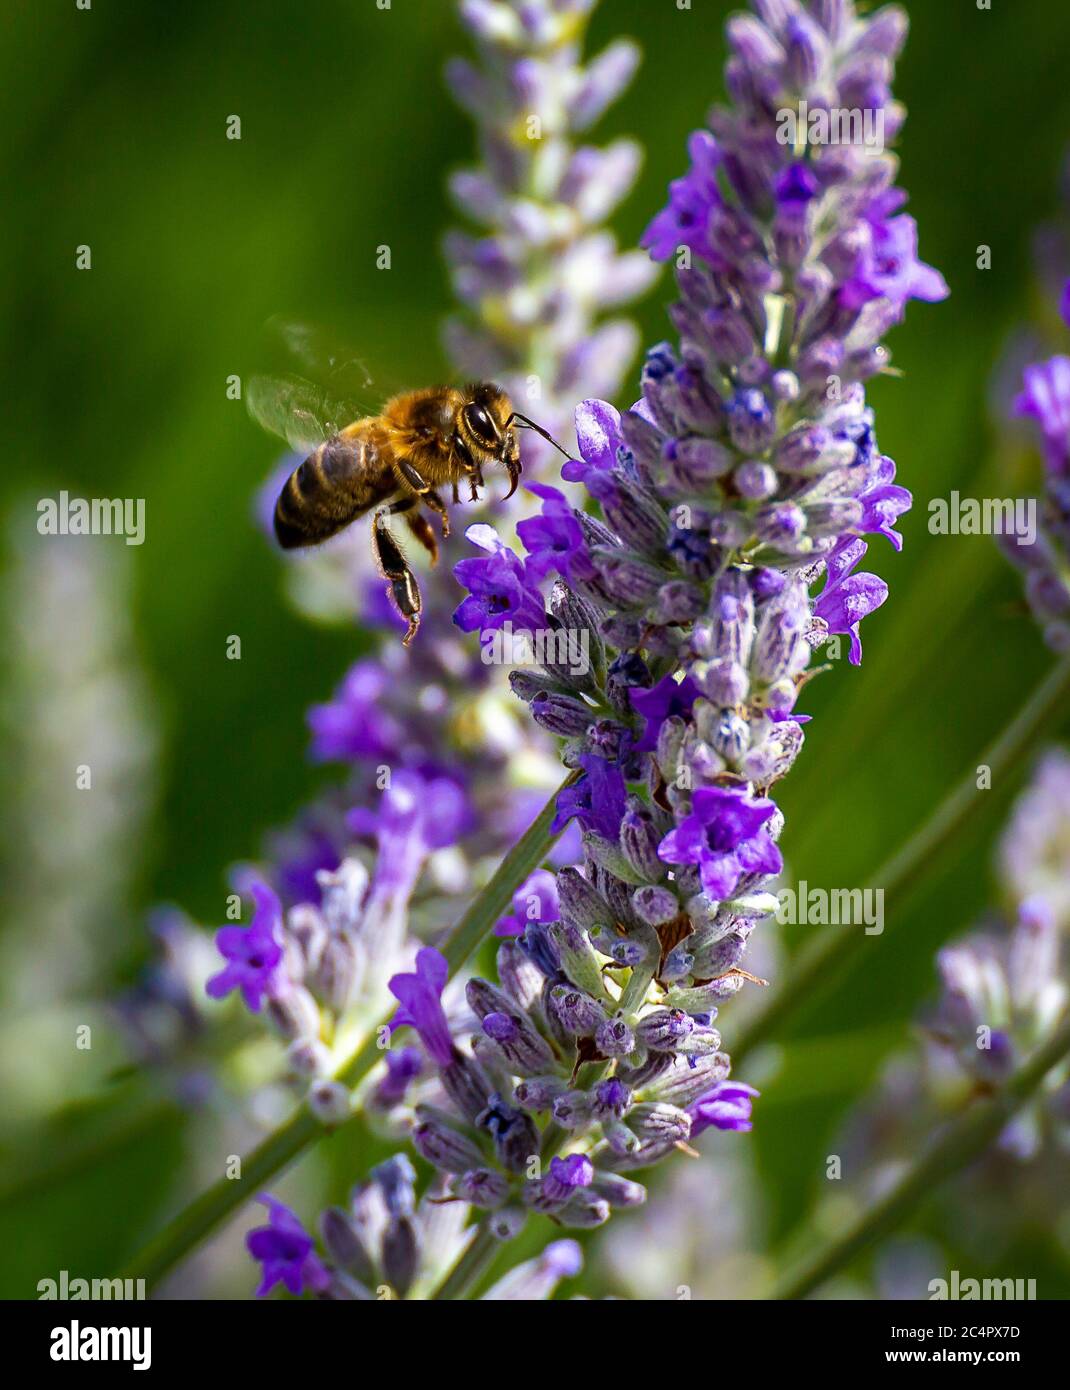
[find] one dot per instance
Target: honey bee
(395, 461)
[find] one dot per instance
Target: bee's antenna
(531, 425)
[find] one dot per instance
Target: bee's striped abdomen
(340, 479)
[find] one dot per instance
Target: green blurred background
(114, 136)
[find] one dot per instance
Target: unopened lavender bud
(731, 618)
(728, 335)
(580, 902)
(516, 1139)
(723, 681)
(526, 685)
(750, 421)
(536, 944)
(396, 1181)
(506, 1224)
(482, 1188)
(623, 1141)
(466, 1085)
(520, 978)
(330, 1102)
(484, 998)
(702, 1042)
(678, 602)
(808, 51)
(563, 715)
(580, 621)
(578, 1014)
(785, 386)
(538, 1093)
(609, 857)
(639, 842)
(669, 751)
(679, 964)
(306, 927)
(578, 959)
(833, 518)
(716, 958)
(336, 974)
(682, 1085)
(295, 1013)
(622, 950)
(308, 1057)
(572, 1109)
(730, 737)
(730, 529)
(344, 1244)
(630, 581)
(584, 1212)
(612, 1097)
(527, 1051)
(443, 1146)
(664, 1030)
(614, 1038)
(618, 1191)
(781, 525)
(689, 464)
(659, 1122)
(655, 905)
(755, 480)
(400, 1254)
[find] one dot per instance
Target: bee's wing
(322, 356)
(297, 410)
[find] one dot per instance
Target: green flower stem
(470, 1268)
(208, 1211)
(817, 964)
(962, 1141)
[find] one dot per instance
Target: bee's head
(486, 425)
(489, 425)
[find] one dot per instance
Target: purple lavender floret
(253, 953)
(726, 1106)
(287, 1253)
(726, 838)
(420, 997)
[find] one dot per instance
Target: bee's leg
(427, 494)
(475, 482)
(456, 493)
(395, 569)
(421, 528)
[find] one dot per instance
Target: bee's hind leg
(395, 570)
(421, 528)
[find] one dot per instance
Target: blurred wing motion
(323, 358)
(297, 410)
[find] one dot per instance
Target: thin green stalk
(470, 1268)
(965, 1139)
(818, 963)
(208, 1211)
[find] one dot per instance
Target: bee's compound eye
(481, 425)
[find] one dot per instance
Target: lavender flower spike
(733, 502)
(541, 271)
(1045, 558)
